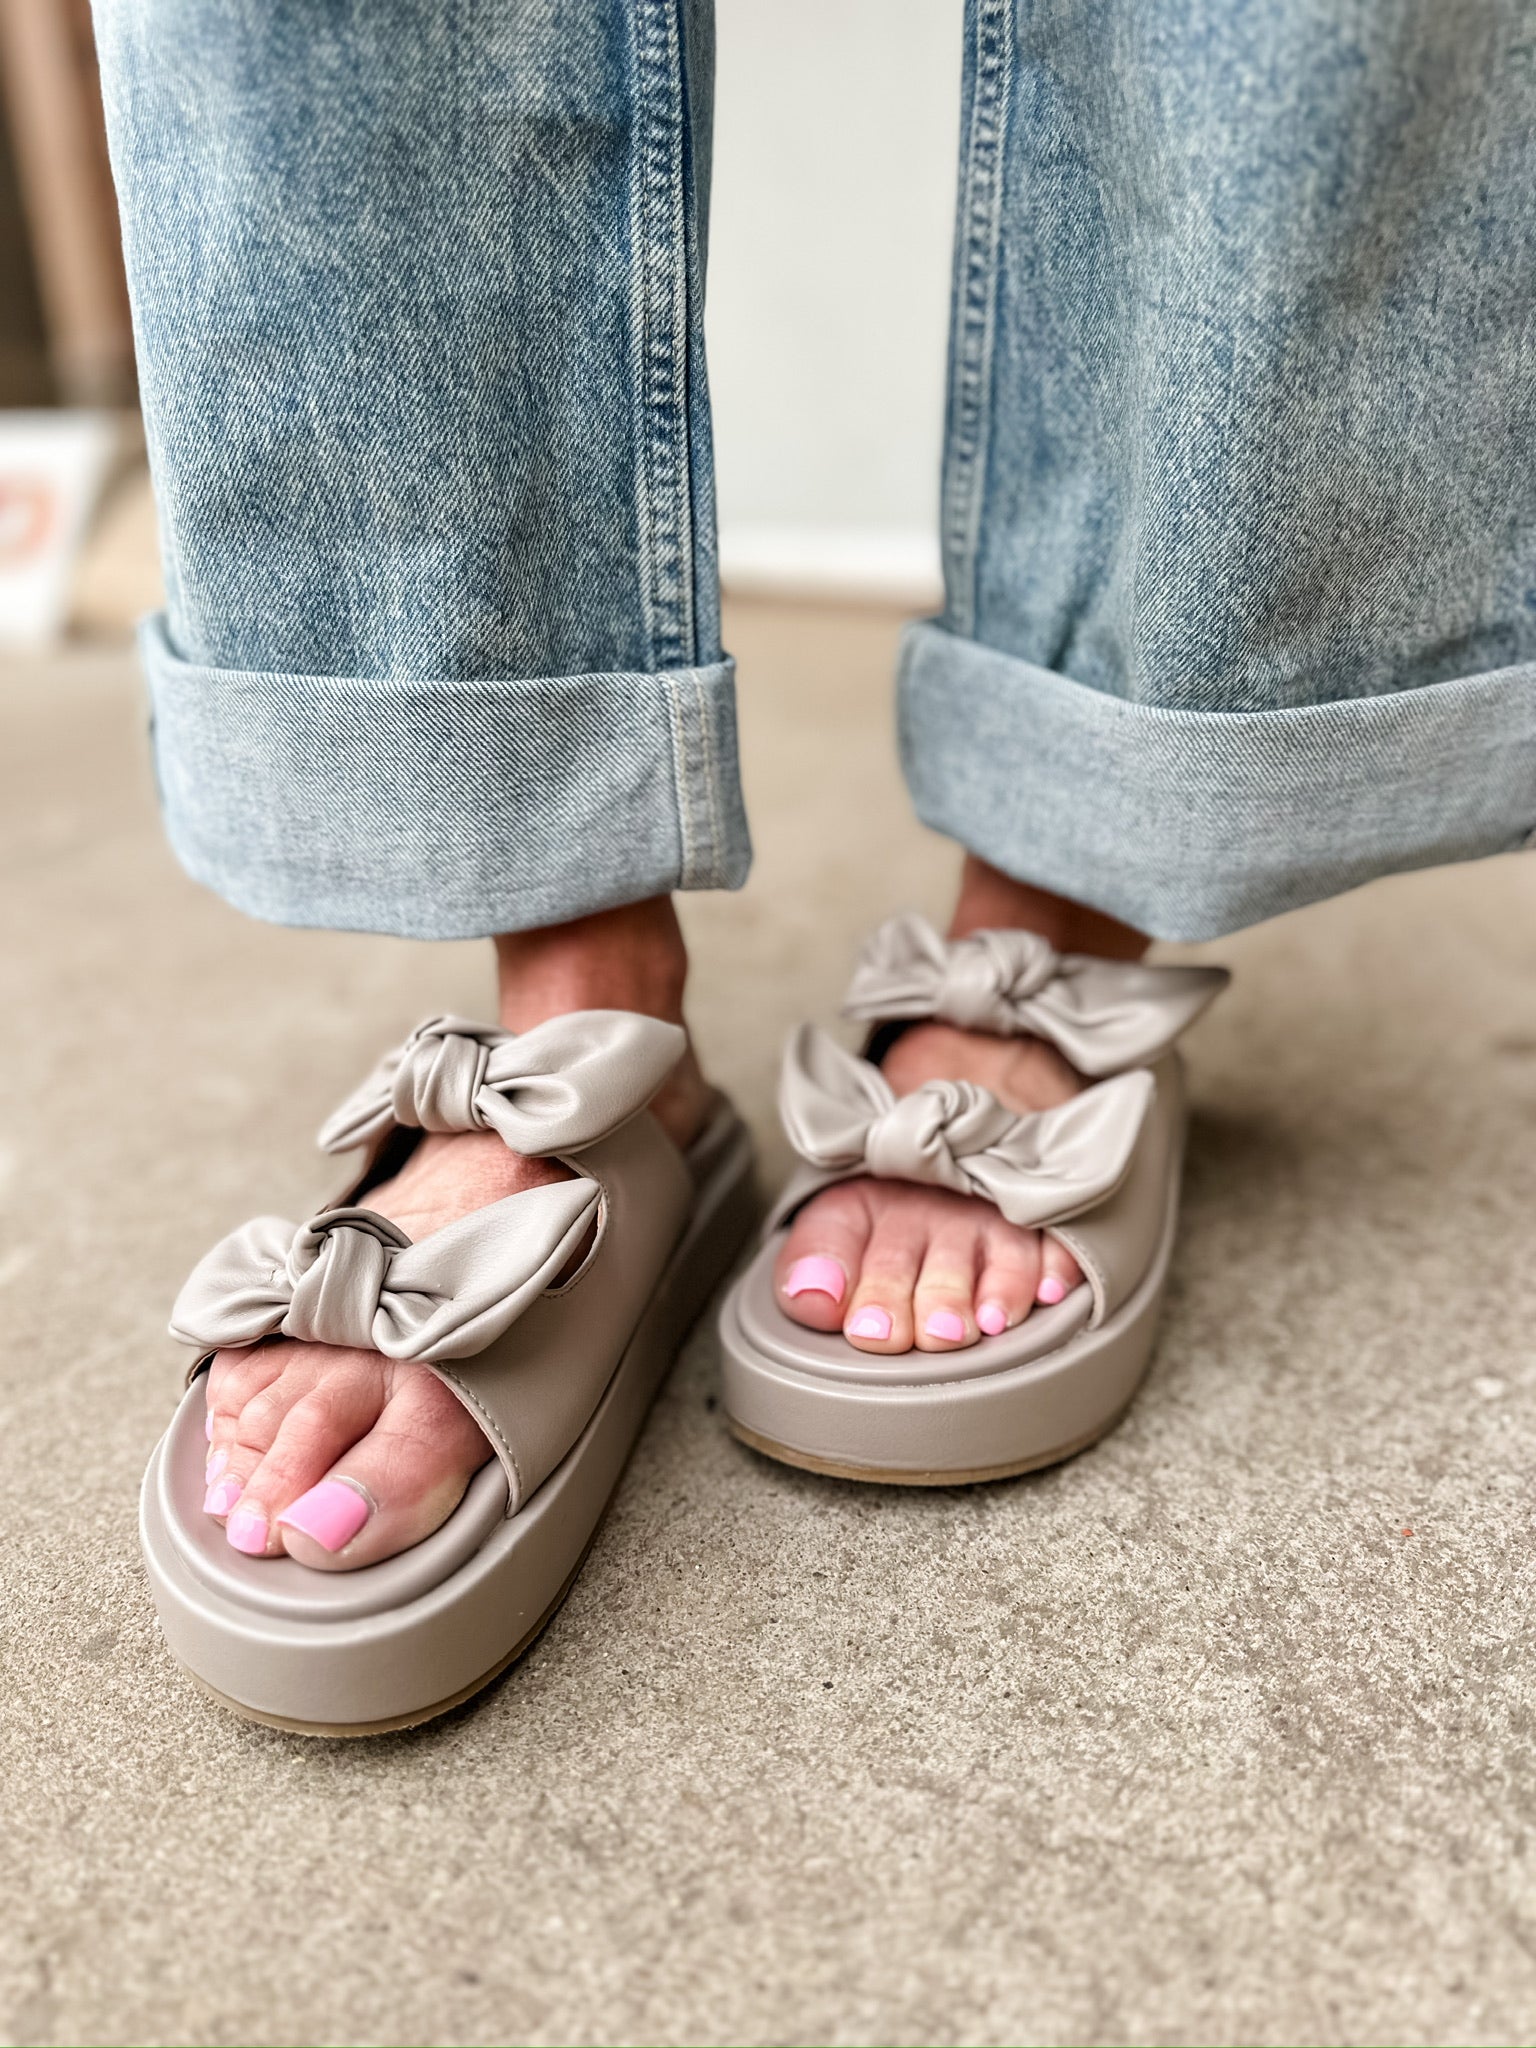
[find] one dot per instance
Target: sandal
(1100, 1173)
(558, 1367)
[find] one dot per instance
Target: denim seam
(699, 802)
(689, 860)
(711, 780)
(977, 239)
(661, 320)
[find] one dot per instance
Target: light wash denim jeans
(1239, 498)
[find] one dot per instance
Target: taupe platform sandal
(1100, 1173)
(558, 1372)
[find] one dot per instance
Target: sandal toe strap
(349, 1276)
(843, 1118)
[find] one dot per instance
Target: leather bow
(352, 1277)
(844, 1117)
(556, 1088)
(1104, 1015)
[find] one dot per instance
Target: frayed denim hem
(446, 810)
(1190, 824)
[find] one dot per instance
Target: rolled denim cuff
(1189, 824)
(446, 810)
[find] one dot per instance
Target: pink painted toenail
(992, 1318)
(870, 1322)
(247, 1531)
(331, 1512)
(1051, 1290)
(816, 1276)
(217, 1460)
(208, 1425)
(221, 1497)
(945, 1325)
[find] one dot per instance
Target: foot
(340, 1457)
(894, 1265)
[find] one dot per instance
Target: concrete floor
(1222, 1732)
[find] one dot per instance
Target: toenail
(221, 1497)
(332, 1513)
(816, 1276)
(992, 1318)
(1051, 1290)
(945, 1325)
(217, 1460)
(208, 1425)
(870, 1322)
(247, 1530)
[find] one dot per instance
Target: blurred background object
(66, 331)
(52, 466)
(836, 145)
(71, 458)
(835, 141)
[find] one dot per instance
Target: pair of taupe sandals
(559, 1367)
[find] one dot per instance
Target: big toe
(820, 1258)
(393, 1487)
(340, 1460)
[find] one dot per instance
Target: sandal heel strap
(1104, 1016)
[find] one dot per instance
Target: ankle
(631, 958)
(989, 900)
(1024, 1073)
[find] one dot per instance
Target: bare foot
(895, 1265)
(341, 1457)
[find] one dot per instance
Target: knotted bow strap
(1104, 1015)
(556, 1088)
(352, 1277)
(844, 1117)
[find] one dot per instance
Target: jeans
(1238, 505)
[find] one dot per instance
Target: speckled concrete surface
(1189, 1740)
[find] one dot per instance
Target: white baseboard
(867, 564)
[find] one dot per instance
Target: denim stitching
(682, 782)
(975, 305)
(711, 782)
(661, 321)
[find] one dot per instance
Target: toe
(231, 1383)
(944, 1305)
(821, 1255)
(249, 1396)
(393, 1486)
(1010, 1274)
(879, 1316)
(326, 1408)
(1059, 1273)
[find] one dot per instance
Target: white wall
(835, 151)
